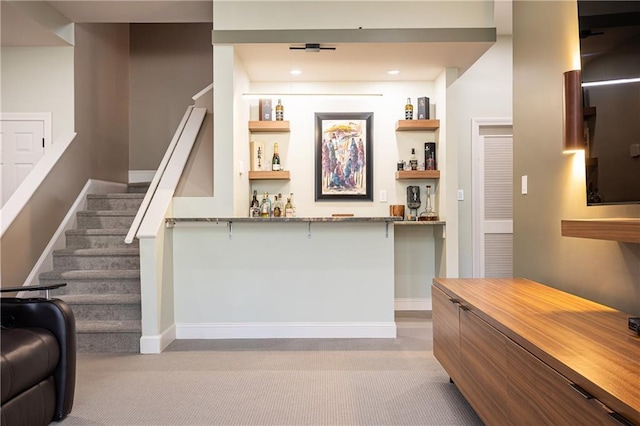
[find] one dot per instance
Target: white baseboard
(287, 330)
(45, 262)
(157, 344)
(136, 176)
(415, 304)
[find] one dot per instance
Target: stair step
(96, 258)
(104, 307)
(98, 238)
(92, 219)
(108, 336)
(124, 201)
(138, 187)
(101, 281)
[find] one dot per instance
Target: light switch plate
(460, 194)
(525, 184)
(383, 196)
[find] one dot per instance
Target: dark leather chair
(38, 365)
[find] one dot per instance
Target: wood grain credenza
(524, 353)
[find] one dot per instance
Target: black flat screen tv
(610, 61)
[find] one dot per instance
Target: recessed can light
(295, 72)
(393, 72)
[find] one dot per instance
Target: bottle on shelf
(265, 206)
(431, 162)
(290, 211)
(288, 208)
(430, 211)
(278, 206)
(279, 111)
(275, 160)
(408, 110)
(254, 208)
(413, 161)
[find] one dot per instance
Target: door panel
(21, 148)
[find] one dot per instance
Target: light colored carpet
(274, 382)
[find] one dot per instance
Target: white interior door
(22, 145)
(493, 200)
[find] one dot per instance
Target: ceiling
(263, 62)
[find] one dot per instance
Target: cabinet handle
(454, 301)
(620, 419)
(582, 392)
(464, 308)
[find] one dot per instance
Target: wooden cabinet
(446, 332)
(526, 354)
(541, 396)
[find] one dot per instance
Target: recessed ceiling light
(295, 72)
(393, 72)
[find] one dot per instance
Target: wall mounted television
(610, 53)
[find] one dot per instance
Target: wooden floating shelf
(418, 174)
(625, 230)
(417, 125)
(267, 175)
(269, 126)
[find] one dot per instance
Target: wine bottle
(288, 208)
(431, 162)
(254, 208)
(413, 161)
(408, 110)
(279, 111)
(278, 207)
(275, 161)
(265, 206)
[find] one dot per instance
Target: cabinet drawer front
(541, 396)
(483, 363)
(446, 336)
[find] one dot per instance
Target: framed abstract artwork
(344, 156)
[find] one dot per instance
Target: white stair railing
(167, 175)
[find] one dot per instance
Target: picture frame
(344, 156)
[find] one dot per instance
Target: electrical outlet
(383, 196)
(525, 184)
(460, 194)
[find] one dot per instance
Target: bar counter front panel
(243, 278)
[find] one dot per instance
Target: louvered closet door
(498, 206)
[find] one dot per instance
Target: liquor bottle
(265, 206)
(413, 161)
(278, 207)
(288, 208)
(279, 111)
(254, 208)
(431, 213)
(275, 161)
(431, 162)
(293, 206)
(408, 110)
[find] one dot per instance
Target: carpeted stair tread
(100, 299)
(127, 326)
(126, 195)
(107, 213)
(81, 274)
(98, 231)
(98, 252)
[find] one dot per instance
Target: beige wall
(545, 44)
(39, 79)
(100, 150)
(169, 64)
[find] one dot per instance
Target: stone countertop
(174, 220)
(397, 220)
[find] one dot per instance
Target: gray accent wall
(545, 45)
(170, 63)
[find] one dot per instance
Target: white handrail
(137, 221)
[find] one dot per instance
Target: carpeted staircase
(102, 273)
